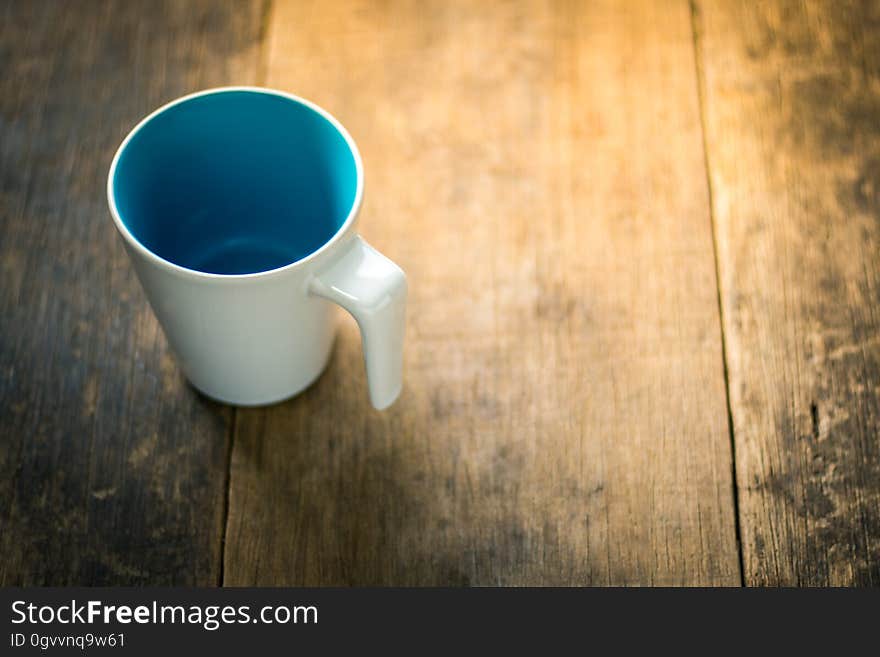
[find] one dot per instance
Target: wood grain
(538, 171)
(112, 470)
(792, 106)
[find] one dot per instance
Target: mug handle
(373, 289)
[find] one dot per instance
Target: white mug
(238, 208)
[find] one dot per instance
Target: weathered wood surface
(538, 168)
(538, 171)
(792, 113)
(112, 470)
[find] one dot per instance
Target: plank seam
(230, 443)
(263, 58)
(701, 101)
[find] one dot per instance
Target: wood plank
(537, 169)
(792, 106)
(112, 470)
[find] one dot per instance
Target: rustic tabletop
(643, 340)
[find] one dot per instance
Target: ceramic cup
(238, 208)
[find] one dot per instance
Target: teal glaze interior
(235, 182)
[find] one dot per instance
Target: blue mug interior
(235, 182)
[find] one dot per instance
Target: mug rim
(155, 258)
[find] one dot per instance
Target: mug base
(259, 402)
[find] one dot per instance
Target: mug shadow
(325, 490)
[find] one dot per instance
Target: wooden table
(643, 245)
